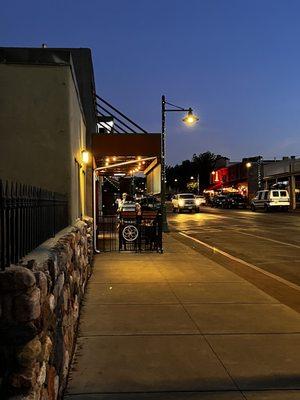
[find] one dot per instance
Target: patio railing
(28, 216)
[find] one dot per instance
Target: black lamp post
(190, 119)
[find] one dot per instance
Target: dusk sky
(237, 63)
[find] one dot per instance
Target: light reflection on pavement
(268, 240)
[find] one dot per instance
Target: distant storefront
(243, 177)
(285, 173)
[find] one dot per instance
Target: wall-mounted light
(85, 156)
(248, 165)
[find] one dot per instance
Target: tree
(199, 167)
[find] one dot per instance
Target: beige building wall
(154, 180)
(42, 130)
(77, 144)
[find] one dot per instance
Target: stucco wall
(42, 130)
(34, 126)
(77, 144)
(154, 181)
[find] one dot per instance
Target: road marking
(237, 231)
(239, 260)
(271, 240)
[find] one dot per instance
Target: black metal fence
(28, 217)
(129, 232)
(107, 233)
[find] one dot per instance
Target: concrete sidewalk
(179, 326)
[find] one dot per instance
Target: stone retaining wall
(39, 309)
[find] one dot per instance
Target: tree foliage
(199, 167)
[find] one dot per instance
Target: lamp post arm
(181, 110)
(178, 107)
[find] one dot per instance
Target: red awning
(215, 186)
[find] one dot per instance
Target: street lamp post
(189, 119)
(248, 166)
(197, 183)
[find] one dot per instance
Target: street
(268, 241)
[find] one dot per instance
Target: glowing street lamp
(248, 164)
(190, 119)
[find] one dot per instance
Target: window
(283, 193)
(186, 196)
(275, 193)
(265, 195)
(259, 195)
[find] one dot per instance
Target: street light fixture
(248, 164)
(190, 119)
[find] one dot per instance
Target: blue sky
(236, 62)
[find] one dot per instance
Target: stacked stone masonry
(39, 310)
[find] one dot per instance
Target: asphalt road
(270, 241)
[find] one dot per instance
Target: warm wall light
(248, 165)
(114, 158)
(85, 155)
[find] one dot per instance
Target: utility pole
(165, 227)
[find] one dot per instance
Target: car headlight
(181, 203)
(198, 202)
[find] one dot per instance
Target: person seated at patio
(128, 204)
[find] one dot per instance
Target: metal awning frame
(94, 188)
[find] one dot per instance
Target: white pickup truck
(185, 201)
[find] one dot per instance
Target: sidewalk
(179, 326)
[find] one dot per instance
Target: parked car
(217, 201)
(271, 199)
(234, 200)
(150, 203)
(201, 200)
(185, 201)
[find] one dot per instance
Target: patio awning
(115, 153)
